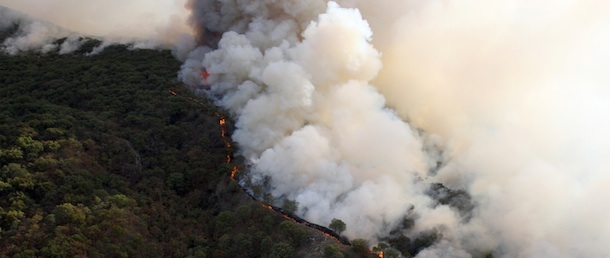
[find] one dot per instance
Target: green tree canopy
(337, 225)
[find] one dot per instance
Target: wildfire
(175, 93)
(234, 172)
(380, 254)
(205, 75)
(223, 122)
(222, 127)
(329, 236)
(288, 218)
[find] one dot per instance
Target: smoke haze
(146, 24)
(507, 101)
(519, 93)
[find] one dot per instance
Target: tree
(225, 221)
(98, 159)
(292, 231)
(337, 225)
(281, 250)
(69, 213)
(30, 146)
(332, 251)
(176, 182)
(391, 253)
(13, 154)
(360, 246)
(290, 206)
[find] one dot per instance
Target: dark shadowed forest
(99, 159)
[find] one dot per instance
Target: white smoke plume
(512, 97)
(308, 118)
(519, 93)
(30, 34)
(140, 23)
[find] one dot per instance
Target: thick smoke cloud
(144, 24)
(506, 102)
(518, 93)
(308, 118)
(304, 120)
(511, 97)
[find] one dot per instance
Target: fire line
(296, 219)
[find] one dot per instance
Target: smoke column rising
(515, 94)
(512, 98)
(305, 121)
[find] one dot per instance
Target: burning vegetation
(290, 216)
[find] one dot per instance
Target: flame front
(222, 122)
(234, 172)
(204, 77)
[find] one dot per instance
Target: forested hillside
(99, 159)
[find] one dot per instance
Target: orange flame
(222, 128)
(205, 74)
(222, 121)
(234, 172)
(380, 254)
(175, 93)
(204, 77)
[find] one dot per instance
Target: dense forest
(99, 159)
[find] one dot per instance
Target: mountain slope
(98, 158)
